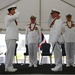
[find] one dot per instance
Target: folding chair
(63, 52)
(15, 54)
(46, 51)
(26, 54)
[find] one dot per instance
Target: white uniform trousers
(10, 53)
(33, 48)
(58, 55)
(70, 51)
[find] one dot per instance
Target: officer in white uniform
(55, 32)
(69, 32)
(33, 38)
(11, 37)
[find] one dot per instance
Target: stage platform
(41, 69)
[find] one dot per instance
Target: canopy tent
(39, 8)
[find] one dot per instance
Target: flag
(45, 59)
(43, 40)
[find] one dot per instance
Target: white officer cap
(13, 6)
(32, 17)
(69, 15)
(55, 11)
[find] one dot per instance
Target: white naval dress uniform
(33, 38)
(10, 38)
(69, 43)
(55, 32)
